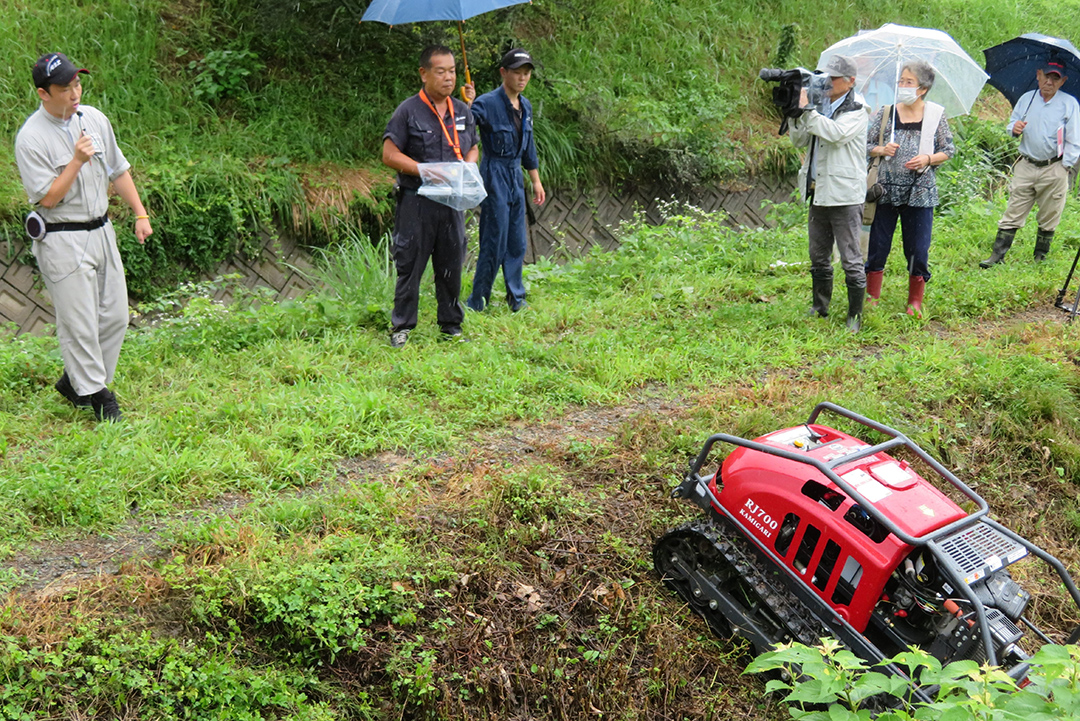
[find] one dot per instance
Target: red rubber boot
(873, 285)
(916, 288)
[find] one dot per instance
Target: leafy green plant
(831, 676)
(359, 272)
(26, 362)
(107, 670)
(536, 493)
(222, 74)
(414, 676)
(984, 155)
(786, 45)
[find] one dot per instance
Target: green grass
(255, 399)
(323, 579)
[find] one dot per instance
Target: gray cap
(841, 66)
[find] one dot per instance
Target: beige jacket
(841, 152)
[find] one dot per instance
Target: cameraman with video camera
(833, 180)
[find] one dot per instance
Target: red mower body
(809, 531)
(819, 531)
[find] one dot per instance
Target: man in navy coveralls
(505, 120)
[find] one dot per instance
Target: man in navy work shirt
(1047, 122)
(505, 120)
(429, 127)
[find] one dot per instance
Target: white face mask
(907, 96)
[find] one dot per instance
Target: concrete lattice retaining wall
(576, 222)
(25, 302)
(569, 223)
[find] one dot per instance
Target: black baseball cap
(516, 58)
(55, 69)
(1054, 66)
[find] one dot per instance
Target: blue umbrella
(1012, 64)
(396, 12)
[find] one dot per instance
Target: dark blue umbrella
(1013, 63)
(397, 12)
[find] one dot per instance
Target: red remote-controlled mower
(811, 532)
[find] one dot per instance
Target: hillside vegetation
(241, 115)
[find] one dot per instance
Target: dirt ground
(52, 568)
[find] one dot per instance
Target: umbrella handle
(464, 59)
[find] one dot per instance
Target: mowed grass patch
(515, 579)
(471, 584)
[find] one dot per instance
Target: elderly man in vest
(833, 180)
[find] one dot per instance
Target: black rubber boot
(1042, 244)
(855, 297)
(64, 388)
(1002, 243)
(105, 406)
(822, 283)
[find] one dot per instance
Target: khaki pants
(1046, 187)
(83, 274)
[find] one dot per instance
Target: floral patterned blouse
(903, 186)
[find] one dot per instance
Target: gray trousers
(838, 225)
(85, 277)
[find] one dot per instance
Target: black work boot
(822, 289)
(855, 297)
(1042, 244)
(1002, 243)
(105, 406)
(64, 388)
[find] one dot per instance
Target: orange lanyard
(455, 144)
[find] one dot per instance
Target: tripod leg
(1065, 288)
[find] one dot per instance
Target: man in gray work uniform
(67, 156)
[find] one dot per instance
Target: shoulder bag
(874, 189)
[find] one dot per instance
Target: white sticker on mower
(865, 484)
(892, 474)
(839, 450)
(1016, 555)
(758, 518)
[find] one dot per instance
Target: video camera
(791, 83)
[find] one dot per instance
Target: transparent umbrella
(880, 54)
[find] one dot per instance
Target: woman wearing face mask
(919, 140)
